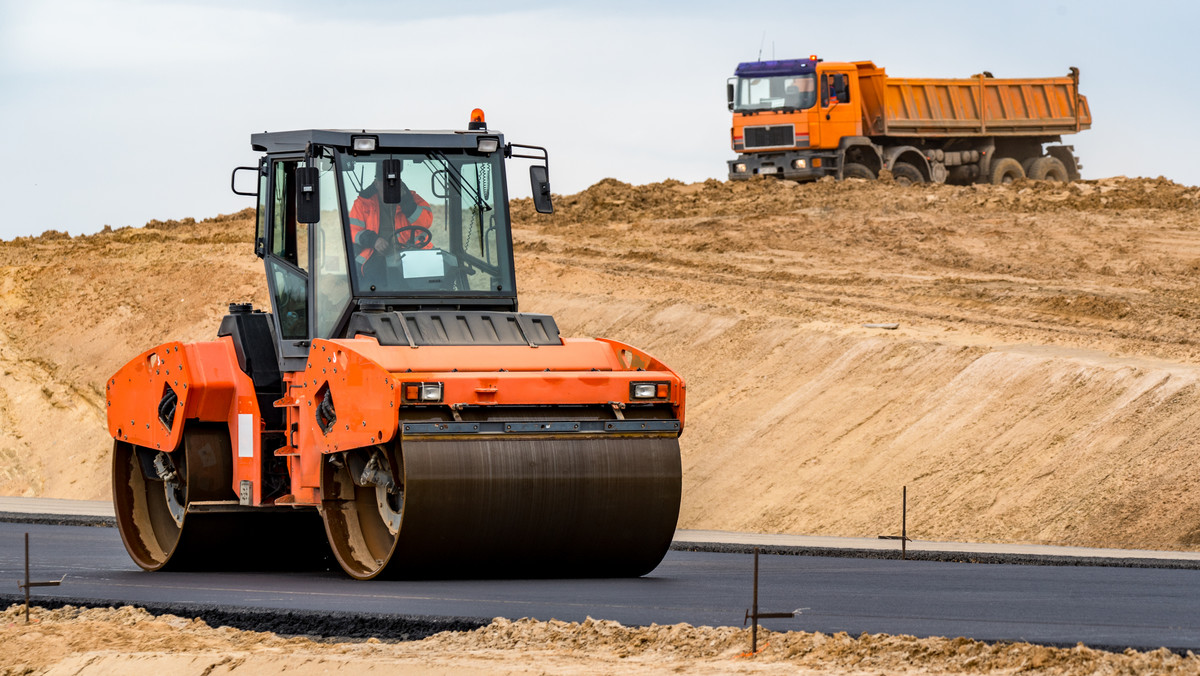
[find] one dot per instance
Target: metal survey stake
(29, 584)
(755, 615)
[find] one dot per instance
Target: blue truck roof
(776, 68)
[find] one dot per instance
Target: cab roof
(783, 67)
(401, 139)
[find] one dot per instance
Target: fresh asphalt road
(1062, 605)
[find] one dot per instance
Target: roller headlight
(645, 391)
(423, 393)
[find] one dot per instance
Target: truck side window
(835, 88)
(841, 88)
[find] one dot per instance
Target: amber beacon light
(477, 121)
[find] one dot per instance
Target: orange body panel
(209, 386)
(365, 380)
(976, 106)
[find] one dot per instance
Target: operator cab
(354, 222)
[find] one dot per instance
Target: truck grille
(771, 137)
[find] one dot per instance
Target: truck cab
(791, 117)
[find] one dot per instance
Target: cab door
(287, 265)
(838, 110)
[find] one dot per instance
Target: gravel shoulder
(131, 641)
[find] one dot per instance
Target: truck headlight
(800, 164)
(739, 168)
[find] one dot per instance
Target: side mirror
(308, 200)
(234, 186)
(729, 94)
(539, 181)
(391, 181)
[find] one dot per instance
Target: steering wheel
(419, 237)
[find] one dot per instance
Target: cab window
(835, 88)
(289, 239)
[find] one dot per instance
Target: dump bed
(975, 106)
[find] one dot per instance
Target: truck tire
(1005, 170)
(906, 174)
(856, 170)
(1049, 169)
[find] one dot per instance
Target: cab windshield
(445, 234)
(795, 92)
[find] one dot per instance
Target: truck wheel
(906, 174)
(1005, 170)
(1049, 169)
(856, 170)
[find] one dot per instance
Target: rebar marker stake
(754, 615)
(754, 627)
(904, 525)
(28, 584)
(26, 578)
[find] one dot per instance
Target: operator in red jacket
(379, 228)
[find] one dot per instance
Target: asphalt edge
(776, 550)
(58, 519)
(312, 624)
(943, 557)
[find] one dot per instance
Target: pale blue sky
(122, 111)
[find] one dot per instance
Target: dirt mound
(611, 200)
(131, 641)
(1040, 387)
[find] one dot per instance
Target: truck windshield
(795, 92)
(445, 237)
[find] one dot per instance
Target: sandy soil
(1041, 386)
(131, 642)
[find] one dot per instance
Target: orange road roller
(394, 412)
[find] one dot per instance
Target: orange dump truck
(803, 119)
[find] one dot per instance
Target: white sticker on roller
(245, 435)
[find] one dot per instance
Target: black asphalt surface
(1103, 607)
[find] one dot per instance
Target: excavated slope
(1041, 385)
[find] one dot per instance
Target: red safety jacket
(364, 215)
